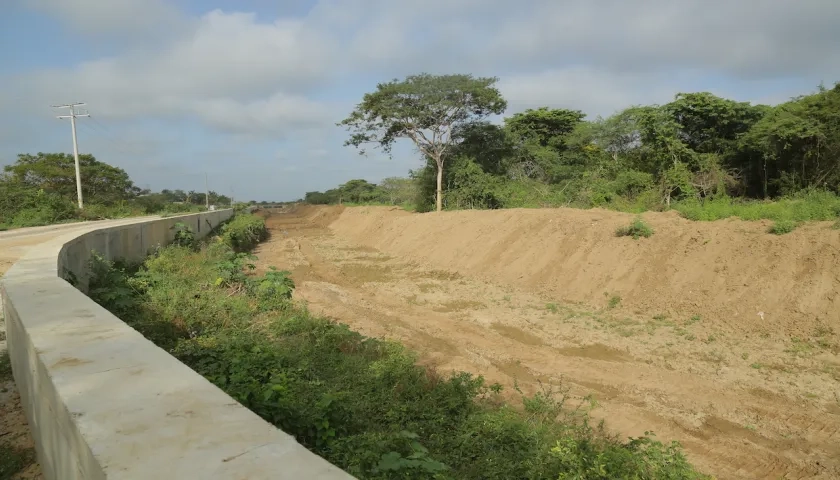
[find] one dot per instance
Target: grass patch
(14, 460)
(781, 227)
(814, 205)
(637, 229)
(363, 404)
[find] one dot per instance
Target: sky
(249, 92)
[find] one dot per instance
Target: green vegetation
(782, 227)
(704, 156)
(390, 191)
(12, 460)
(363, 404)
(430, 110)
(637, 229)
(41, 190)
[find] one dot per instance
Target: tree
(55, 173)
(357, 190)
(427, 109)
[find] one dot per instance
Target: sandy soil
(714, 334)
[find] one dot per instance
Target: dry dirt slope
(718, 335)
(731, 272)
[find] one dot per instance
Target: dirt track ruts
(743, 404)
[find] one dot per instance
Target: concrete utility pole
(72, 117)
(207, 192)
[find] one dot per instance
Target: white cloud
(261, 80)
(229, 70)
(122, 18)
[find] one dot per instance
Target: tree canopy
(427, 109)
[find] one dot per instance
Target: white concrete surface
(105, 403)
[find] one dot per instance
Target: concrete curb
(104, 402)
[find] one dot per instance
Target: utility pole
(72, 117)
(207, 192)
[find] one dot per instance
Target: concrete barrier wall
(104, 402)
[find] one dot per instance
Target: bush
(638, 228)
(362, 404)
(244, 232)
(782, 227)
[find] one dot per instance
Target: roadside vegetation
(361, 403)
(704, 156)
(41, 190)
(13, 459)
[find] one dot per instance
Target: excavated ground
(718, 335)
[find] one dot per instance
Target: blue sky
(249, 91)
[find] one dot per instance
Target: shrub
(637, 228)
(782, 227)
(244, 232)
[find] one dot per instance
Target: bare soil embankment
(718, 335)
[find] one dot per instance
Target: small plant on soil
(615, 301)
(638, 228)
(782, 227)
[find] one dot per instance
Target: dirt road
(744, 404)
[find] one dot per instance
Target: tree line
(695, 149)
(40, 189)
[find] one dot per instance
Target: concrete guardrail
(105, 403)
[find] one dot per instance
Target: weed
(693, 320)
(551, 307)
(637, 228)
(781, 227)
(615, 300)
(711, 338)
(690, 336)
(800, 348)
(184, 235)
(745, 355)
(757, 366)
(836, 225)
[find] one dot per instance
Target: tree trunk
(439, 196)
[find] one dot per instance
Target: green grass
(638, 228)
(781, 227)
(361, 403)
(813, 205)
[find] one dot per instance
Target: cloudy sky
(249, 91)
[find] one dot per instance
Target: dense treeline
(41, 189)
(390, 191)
(697, 149)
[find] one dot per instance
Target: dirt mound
(730, 272)
(483, 292)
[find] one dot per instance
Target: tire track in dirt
(729, 422)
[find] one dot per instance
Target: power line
(72, 117)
